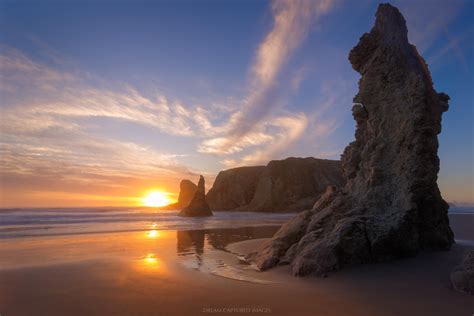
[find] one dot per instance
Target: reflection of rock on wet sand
(191, 245)
(220, 238)
(205, 250)
(193, 241)
(190, 241)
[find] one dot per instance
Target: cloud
(292, 22)
(298, 76)
(429, 29)
(453, 46)
(62, 100)
(428, 19)
(216, 145)
(47, 145)
(290, 129)
(18, 70)
(47, 97)
(43, 165)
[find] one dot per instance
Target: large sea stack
(198, 206)
(390, 206)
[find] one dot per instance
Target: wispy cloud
(298, 76)
(43, 95)
(292, 22)
(427, 19)
(452, 46)
(215, 145)
(289, 129)
(428, 22)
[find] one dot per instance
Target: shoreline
(460, 226)
(193, 272)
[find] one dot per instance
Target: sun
(155, 199)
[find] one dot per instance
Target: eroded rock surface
(198, 205)
(287, 185)
(390, 206)
(234, 188)
(187, 189)
(462, 276)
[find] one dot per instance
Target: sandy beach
(159, 272)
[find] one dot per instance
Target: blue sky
(103, 100)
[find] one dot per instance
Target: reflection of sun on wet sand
(151, 262)
(153, 233)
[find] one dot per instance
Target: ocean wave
(46, 222)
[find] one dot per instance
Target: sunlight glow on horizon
(155, 199)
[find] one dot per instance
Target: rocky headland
(390, 206)
(289, 185)
(234, 188)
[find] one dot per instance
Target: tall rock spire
(391, 206)
(198, 205)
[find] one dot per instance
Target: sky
(103, 101)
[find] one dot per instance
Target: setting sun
(155, 199)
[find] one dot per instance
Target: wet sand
(192, 273)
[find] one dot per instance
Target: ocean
(24, 222)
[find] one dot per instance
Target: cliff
(234, 188)
(292, 184)
(390, 206)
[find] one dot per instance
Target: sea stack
(390, 206)
(198, 206)
(187, 189)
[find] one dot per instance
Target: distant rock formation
(187, 189)
(198, 205)
(234, 188)
(462, 276)
(292, 184)
(390, 206)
